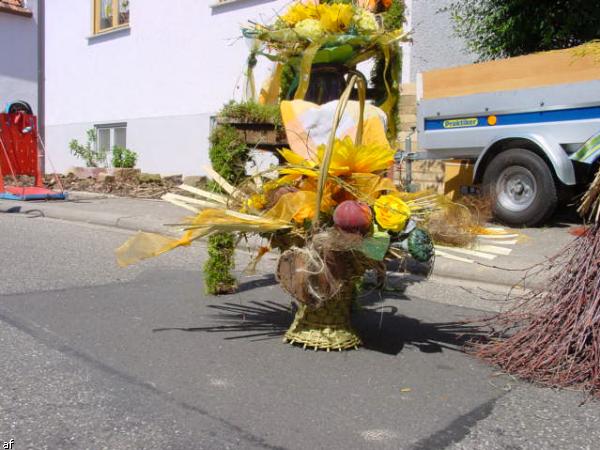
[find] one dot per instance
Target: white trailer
(531, 124)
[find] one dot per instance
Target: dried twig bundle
(552, 336)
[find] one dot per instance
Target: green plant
(90, 152)
(494, 29)
(123, 158)
(217, 269)
(287, 79)
(252, 112)
(393, 19)
(229, 154)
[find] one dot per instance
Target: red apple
(353, 216)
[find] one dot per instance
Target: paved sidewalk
(533, 245)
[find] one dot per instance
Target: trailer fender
(551, 151)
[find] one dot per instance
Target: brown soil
(112, 186)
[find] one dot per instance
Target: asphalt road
(93, 356)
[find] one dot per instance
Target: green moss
(393, 18)
(217, 269)
(252, 112)
(287, 80)
(229, 154)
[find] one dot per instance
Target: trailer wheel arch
(506, 144)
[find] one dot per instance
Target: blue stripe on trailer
(557, 115)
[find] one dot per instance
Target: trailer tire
(522, 188)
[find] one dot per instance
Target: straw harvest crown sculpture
(332, 217)
(328, 209)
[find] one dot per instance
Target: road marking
(219, 382)
(496, 250)
(466, 251)
(454, 257)
(379, 435)
(499, 236)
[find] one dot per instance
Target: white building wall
(18, 57)
(165, 76)
(434, 43)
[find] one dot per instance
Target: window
(111, 135)
(110, 14)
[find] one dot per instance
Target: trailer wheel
(522, 188)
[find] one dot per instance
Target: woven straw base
(325, 328)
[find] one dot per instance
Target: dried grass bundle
(452, 224)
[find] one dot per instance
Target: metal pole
(41, 58)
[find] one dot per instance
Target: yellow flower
(281, 181)
(257, 201)
(299, 12)
(327, 202)
(335, 17)
(310, 29)
(348, 158)
(391, 213)
(365, 21)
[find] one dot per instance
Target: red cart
(19, 155)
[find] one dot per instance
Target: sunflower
(348, 158)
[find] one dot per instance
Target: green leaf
(376, 246)
(339, 54)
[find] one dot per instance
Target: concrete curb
(55, 210)
(149, 223)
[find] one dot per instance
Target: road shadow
(265, 281)
(252, 320)
(12, 210)
(565, 217)
(398, 279)
(382, 329)
(30, 213)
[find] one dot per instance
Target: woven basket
(327, 327)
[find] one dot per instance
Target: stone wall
(425, 174)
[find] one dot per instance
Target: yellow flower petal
(299, 171)
(348, 158)
(335, 17)
(368, 186)
(293, 157)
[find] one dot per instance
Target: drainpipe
(41, 91)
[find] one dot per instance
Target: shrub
(123, 158)
(494, 29)
(93, 156)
